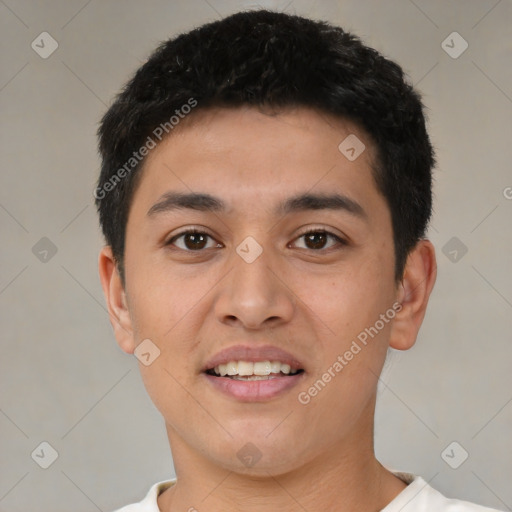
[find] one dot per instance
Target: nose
(255, 295)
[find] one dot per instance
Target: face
(268, 273)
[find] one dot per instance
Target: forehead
(239, 153)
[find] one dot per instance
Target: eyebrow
(171, 201)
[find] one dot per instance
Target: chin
(259, 455)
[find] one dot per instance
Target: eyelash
(340, 241)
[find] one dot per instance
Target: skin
(310, 300)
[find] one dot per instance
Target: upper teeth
(250, 368)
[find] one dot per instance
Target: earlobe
(413, 294)
(115, 297)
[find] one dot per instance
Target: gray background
(63, 378)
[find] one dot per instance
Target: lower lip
(254, 390)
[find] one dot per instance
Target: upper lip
(253, 354)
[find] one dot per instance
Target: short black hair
(270, 59)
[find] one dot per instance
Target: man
(264, 194)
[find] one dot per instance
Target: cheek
(163, 311)
(355, 306)
(350, 300)
(164, 299)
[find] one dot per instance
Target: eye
(193, 240)
(316, 239)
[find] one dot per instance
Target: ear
(413, 294)
(116, 300)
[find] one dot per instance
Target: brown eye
(192, 240)
(317, 239)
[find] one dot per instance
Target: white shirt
(418, 496)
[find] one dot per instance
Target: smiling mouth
(249, 371)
